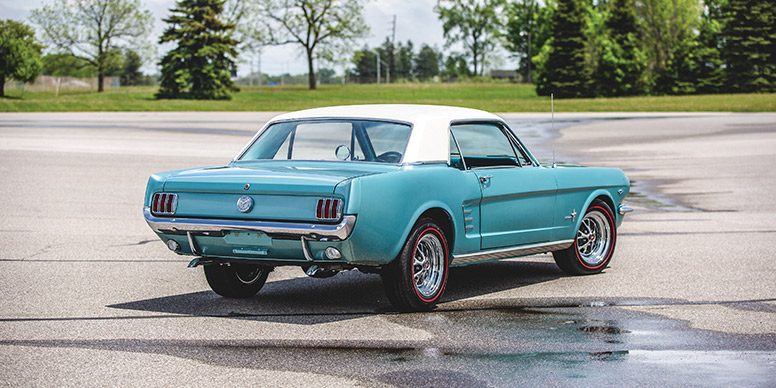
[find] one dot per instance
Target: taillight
(164, 204)
(328, 209)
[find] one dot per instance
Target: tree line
(582, 48)
(572, 48)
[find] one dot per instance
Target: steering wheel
(389, 157)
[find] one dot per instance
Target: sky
(415, 20)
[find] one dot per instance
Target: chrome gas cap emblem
(244, 204)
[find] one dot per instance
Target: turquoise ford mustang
(406, 191)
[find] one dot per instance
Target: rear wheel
(416, 279)
(593, 245)
(236, 280)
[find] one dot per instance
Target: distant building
(503, 74)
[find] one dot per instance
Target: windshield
(345, 140)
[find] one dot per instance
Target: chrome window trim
(511, 137)
(323, 118)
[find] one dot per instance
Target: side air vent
(164, 204)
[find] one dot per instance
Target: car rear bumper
(206, 226)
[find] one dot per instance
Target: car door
(518, 197)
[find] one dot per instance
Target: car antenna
(552, 109)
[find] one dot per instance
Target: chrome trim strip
(510, 252)
(339, 231)
(625, 209)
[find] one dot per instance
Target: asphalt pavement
(92, 298)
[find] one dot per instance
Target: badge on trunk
(244, 204)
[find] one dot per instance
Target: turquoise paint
(517, 206)
(387, 200)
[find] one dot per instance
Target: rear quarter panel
(388, 205)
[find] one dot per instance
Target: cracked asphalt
(92, 298)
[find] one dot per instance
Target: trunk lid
(280, 190)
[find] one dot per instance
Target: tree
(365, 61)
(403, 62)
(473, 23)
(456, 66)
(527, 29)
(621, 60)
(750, 46)
(67, 65)
(667, 31)
(202, 64)
(130, 71)
(565, 73)
(427, 63)
(313, 23)
(19, 54)
(92, 29)
(710, 69)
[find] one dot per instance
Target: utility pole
(393, 31)
(530, 31)
(392, 58)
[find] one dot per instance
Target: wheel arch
(444, 220)
(601, 195)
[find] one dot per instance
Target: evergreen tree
(130, 72)
(709, 73)
(750, 46)
(405, 56)
(365, 61)
(565, 74)
(621, 60)
(427, 63)
(202, 64)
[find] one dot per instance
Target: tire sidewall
(423, 230)
(596, 206)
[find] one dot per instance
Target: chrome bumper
(625, 209)
(328, 232)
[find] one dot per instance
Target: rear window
(344, 140)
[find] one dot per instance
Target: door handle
(485, 178)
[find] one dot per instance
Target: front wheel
(415, 280)
(593, 245)
(236, 280)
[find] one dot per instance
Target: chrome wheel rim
(428, 265)
(247, 274)
(594, 238)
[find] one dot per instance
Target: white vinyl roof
(430, 139)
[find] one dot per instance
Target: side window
(484, 145)
(387, 138)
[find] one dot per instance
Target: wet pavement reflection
(541, 342)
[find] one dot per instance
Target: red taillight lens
(164, 204)
(328, 209)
